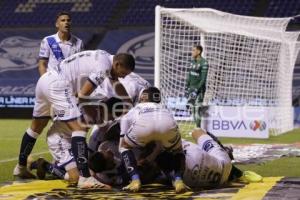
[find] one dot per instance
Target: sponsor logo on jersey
(208, 145)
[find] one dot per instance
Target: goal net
(251, 62)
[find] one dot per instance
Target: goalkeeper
(195, 84)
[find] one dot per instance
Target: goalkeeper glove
(134, 186)
(180, 186)
(192, 97)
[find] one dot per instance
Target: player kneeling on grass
(148, 121)
(56, 96)
(59, 143)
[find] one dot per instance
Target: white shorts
(55, 98)
(59, 143)
(154, 126)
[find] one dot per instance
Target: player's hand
(134, 186)
(180, 186)
(193, 95)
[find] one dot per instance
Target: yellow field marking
(21, 190)
(256, 191)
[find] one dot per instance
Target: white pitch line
(17, 158)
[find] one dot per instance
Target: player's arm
(87, 89)
(42, 66)
(86, 103)
(153, 155)
(44, 54)
(121, 91)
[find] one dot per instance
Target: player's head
(123, 64)
(63, 22)
(151, 94)
(197, 51)
(101, 160)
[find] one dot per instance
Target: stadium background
(114, 25)
(124, 26)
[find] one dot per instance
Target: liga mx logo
(258, 125)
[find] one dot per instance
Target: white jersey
(204, 168)
(133, 83)
(55, 90)
(206, 163)
(148, 122)
(68, 48)
(92, 65)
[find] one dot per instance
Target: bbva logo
(238, 125)
(258, 125)
(18, 53)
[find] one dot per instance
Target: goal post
(251, 62)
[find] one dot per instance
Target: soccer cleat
(91, 182)
(180, 186)
(134, 186)
(41, 168)
(22, 172)
(250, 177)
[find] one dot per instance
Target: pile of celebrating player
(134, 139)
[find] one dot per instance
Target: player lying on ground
(207, 164)
(203, 164)
(56, 96)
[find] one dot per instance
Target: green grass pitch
(11, 132)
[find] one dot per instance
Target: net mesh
(250, 59)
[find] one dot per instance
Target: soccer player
(59, 143)
(57, 47)
(56, 93)
(134, 85)
(207, 164)
(145, 123)
(196, 83)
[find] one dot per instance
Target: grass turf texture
(11, 132)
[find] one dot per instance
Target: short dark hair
(97, 162)
(199, 47)
(126, 59)
(114, 104)
(153, 94)
(63, 13)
